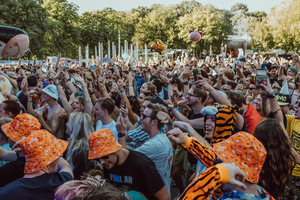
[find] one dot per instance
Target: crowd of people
(110, 129)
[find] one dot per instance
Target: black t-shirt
(41, 187)
(138, 172)
(190, 116)
(12, 171)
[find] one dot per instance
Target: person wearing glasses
(124, 167)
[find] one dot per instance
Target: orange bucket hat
(22, 125)
(102, 143)
(40, 149)
(247, 152)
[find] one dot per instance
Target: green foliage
(54, 26)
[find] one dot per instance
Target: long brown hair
(279, 163)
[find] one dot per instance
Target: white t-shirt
(111, 126)
(159, 150)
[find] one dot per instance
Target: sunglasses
(252, 88)
(190, 95)
(145, 116)
(104, 157)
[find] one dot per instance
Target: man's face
(2, 111)
(285, 109)
(98, 111)
(191, 99)
(210, 124)
(146, 119)
(291, 73)
(144, 106)
(109, 161)
(45, 97)
(297, 109)
(273, 72)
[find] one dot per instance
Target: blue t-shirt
(40, 187)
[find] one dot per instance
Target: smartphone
(196, 72)
(261, 77)
(235, 62)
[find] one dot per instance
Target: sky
(126, 5)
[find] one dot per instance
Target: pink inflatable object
(195, 36)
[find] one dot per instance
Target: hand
(182, 103)
(101, 82)
(58, 73)
(249, 98)
(79, 79)
(180, 124)
(239, 87)
(163, 117)
(16, 146)
(124, 111)
(236, 178)
(120, 84)
(267, 88)
(169, 104)
(203, 83)
(121, 124)
(37, 115)
(177, 136)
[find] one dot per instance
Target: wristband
(272, 95)
(69, 79)
(56, 84)
(91, 92)
(122, 91)
(185, 83)
(121, 134)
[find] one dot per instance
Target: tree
(283, 22)
(63, 35)
(207, 19)
(35, 23)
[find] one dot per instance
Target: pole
(119, 39)
(131, 50)
(86, 54)
(137, 51)
(108, 49)
(146, 53)
(79, 52)
(99, 50)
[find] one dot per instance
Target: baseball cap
(65, 67)
(292, 68)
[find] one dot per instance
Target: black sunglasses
(145, 116)
(104, 157)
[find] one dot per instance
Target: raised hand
(177, 136)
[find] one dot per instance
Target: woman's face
(144, 88)
(258, 102)
(77, 106)
(141, 99)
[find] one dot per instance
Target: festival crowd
(110, 129)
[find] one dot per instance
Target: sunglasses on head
(252, 88)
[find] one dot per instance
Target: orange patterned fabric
(204, 185)
(102, 143)
(245, 151)
(22, 125)
(40, 149)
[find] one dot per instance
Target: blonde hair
(5, 86)
(81, 126)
